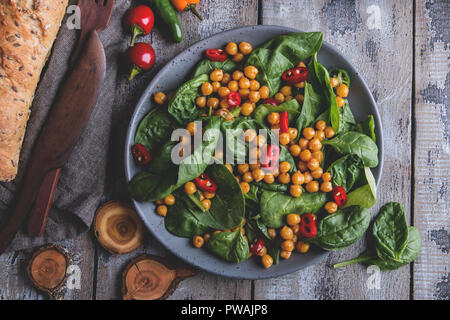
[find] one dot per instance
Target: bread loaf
(28, 29)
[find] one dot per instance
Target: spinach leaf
(368, 128)
(263, 110)
(275, 206)
(390, 231)
(311, 109)
(341, 75)
(365, 196)
(230, 246)
(182, 105)
(276, 186)
(282, 53)
(357, 143)
(346, 119)
(285, 155)
(342, 229)
(274, 248)
(206, 66)
(346, 171)
(155, 128)
(254, 228)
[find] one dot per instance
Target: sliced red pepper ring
(141, 154)
(284, 122)
(204, 183)
(308, 227)
(271, 158)
(234, 99)
(216, 55)
(271, 101)
(339, 196)
(257, 246)
(295, 75)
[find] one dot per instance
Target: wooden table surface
(402, 50)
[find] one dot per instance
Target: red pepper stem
(136, 32)
(192, 8)
(134, 72)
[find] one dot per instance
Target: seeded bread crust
(28, 29)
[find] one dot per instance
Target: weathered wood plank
(17, 286)
(377, 39)
(219, 16)
(432, 149)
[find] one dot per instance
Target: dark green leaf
(346, 171)
(263, 110)
(311, 109)
(230, 246)
(207, 66)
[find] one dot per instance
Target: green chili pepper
(168, 14)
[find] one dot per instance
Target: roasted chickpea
(342, 91)
(254, 166)
(190, 188)
(247, 108)
(233, 85)
(321, 125)
(223, 92)
(160, 97)
(279, 97)
(216, 75)
(260, 140)
(254, 85)
(191, 128)
(244, 93)
(244, 83)
(300, 98)
(258, 175)
(303, 143)
(249, 135)
(300, 85)
(251, 72)
(238, 57)
(269, 178)
(340, 102)
(317, 155)
(298, 178)
(295, 190)
(295, 150)
(313, 164)
(169, 200)
(226, 78)
(254, 154)
(312, 186)
(237, 75)
(288, 245)
(206, 237)
(301, 64)
(292, 219)
(315, 145)
(285, 138)
(207, 88)
(229, 167)
(284, 178)
(326, 177)
(293, 132)
(320, 135)
(273, 118)
(267, 261)
(285, 254)
(286, 233)
(206, 204)
(331, 207)
(334, 82)
(263, 251)
(216, 85)
(223, 104)
(317, 174)
(296, 229)
(231, 48)
(308, 176)
(242, 168)
(247, 177)
(289, 98)
(245, 48)
(305, 155)
(302, 247)
(272, 233)
(245, 187)
(329, 132)
(200, 102)
(209, 195)
(286, 90)
(264, 92)
(285, 167)
(326, 187)
(254, 96)
(308, 133)
(212, 102)
(295, 238)
(198, 241)
(301, 166)
(162, 210)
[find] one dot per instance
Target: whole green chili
(169, 15)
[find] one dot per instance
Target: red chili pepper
(339, 196)
(204, 183)
(141, 154)
(284, 122)
(295, 75)
(140, 21)
(234, 99)
(271, 101)
(257, 246)
(141, 57)
(308, 227)
(216, 55)
(270, 161)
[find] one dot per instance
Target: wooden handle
(44, 200)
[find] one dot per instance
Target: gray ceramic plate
(172, 76)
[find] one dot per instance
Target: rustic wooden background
(402, 50)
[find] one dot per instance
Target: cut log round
(151, 278)
(47, 268)
(118, 228)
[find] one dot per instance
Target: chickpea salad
(258, 154)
